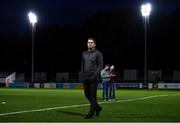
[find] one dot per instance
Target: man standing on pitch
(91, 66)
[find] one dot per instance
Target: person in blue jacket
(105, 76)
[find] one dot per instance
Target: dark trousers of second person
(90, 91)
(106, 89)
(112, 91)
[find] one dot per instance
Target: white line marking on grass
(175, 95)
(136, 99)
(74, 106)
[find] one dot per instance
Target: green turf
(157, 109)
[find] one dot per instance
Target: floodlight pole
(33, 21)
(145, 50)
(32, 67)
(145, 10)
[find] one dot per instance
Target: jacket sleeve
(102, 73)
(82, 63)
(99, 63)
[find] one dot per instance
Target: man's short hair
(92, 39)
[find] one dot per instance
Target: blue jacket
(105, 75)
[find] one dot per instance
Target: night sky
(64, 26)
(62, 12)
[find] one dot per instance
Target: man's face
(91, 44)
(107, 67)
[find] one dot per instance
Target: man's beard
(91, 48)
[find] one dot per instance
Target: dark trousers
(90, 91)
(112, 91)
(106, 89)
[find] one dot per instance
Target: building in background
(7, 77)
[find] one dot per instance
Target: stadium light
(145, 10)
(33, 20)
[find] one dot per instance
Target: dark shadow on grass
(71, 113)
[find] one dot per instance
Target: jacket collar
(92, 50)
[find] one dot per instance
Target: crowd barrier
(80, 85)
(17, 85)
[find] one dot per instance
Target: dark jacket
(92, 64)
(113, 76)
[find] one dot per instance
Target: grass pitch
(70, 105)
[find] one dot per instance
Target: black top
(92, 63)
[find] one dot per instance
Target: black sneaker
(99, 109)
(89, 115)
